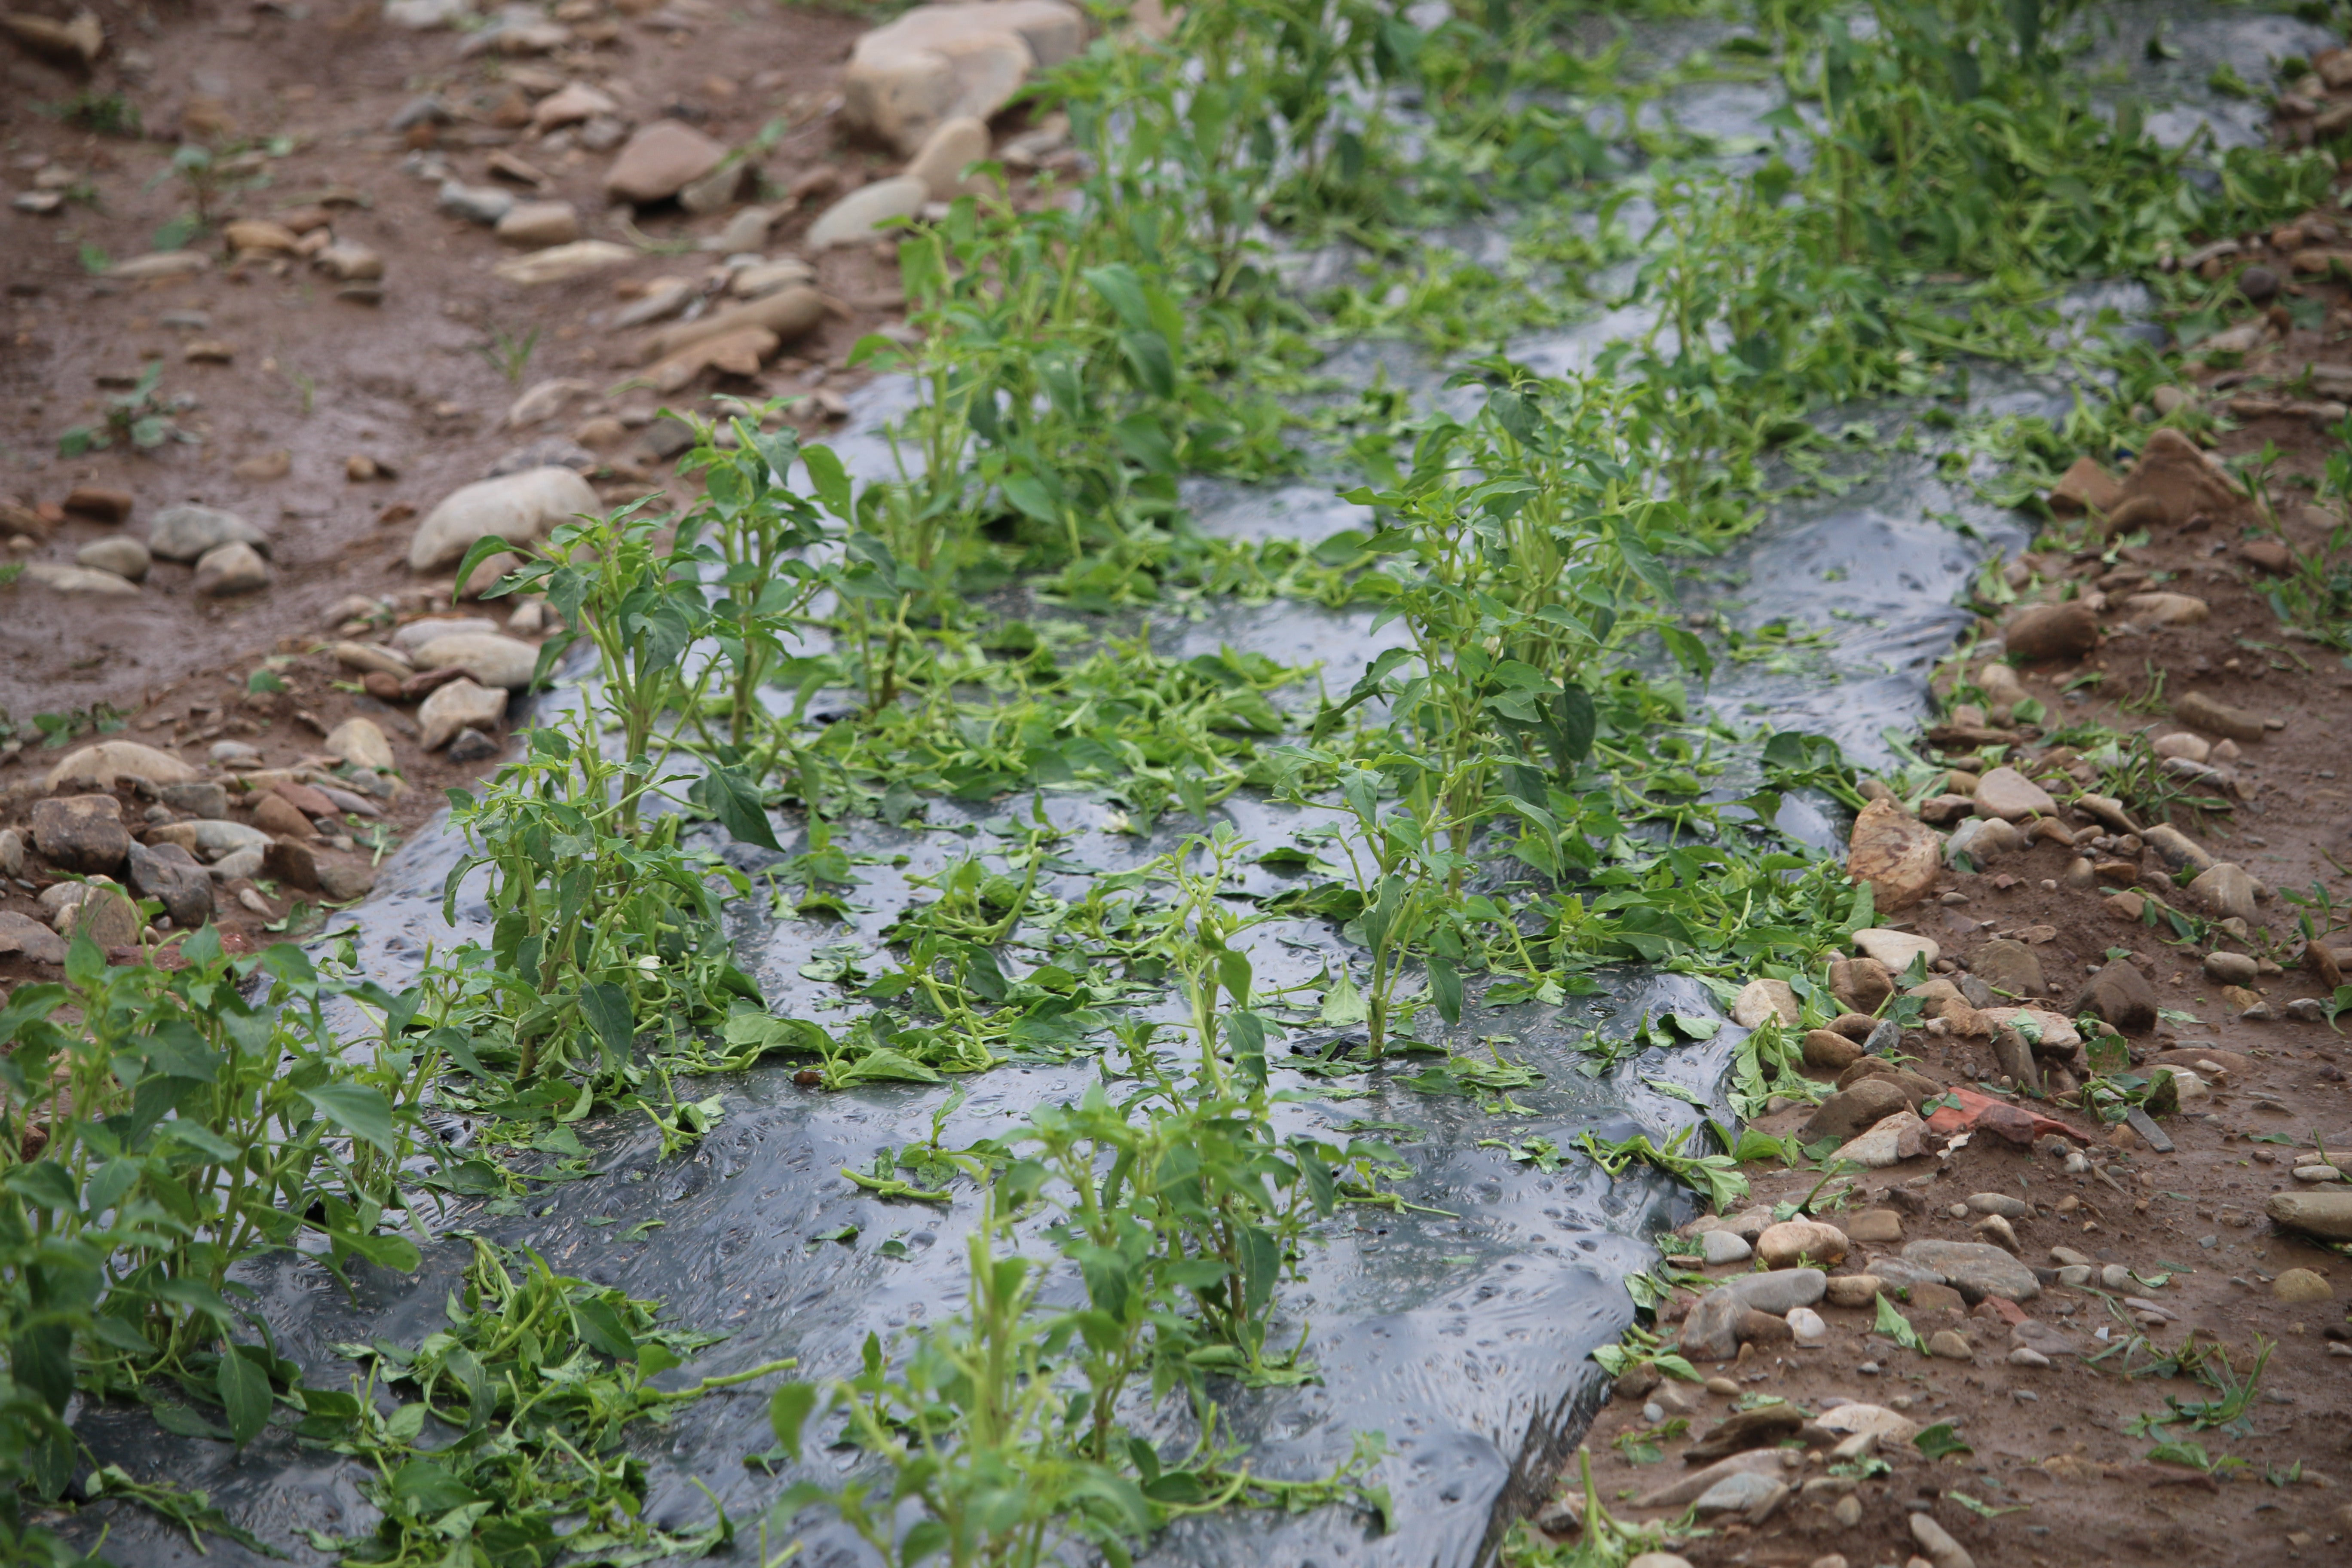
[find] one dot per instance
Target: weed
(139, 416)
(100, 113)
(508, 353)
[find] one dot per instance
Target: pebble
(1895, 948)
(349, 263)
(476, 204)
(459, 706)
(517, 508)
(231, 568)
(2317, 1173)
(161, 264)
(855, 218)
(187, 533)
(2026, 1356)
(489, 658)
(81, 831)
(1798, 1241)
(562, 263)
(1810, 1327)
(2298, 1287)
(2231, 968)
(2225, 890)
(1999, 1203)
(1942, 1551)
(1951, 1344)
(126, 557)
(1721, 1246)
(2005, 793)
(1852, 1289)
(1723, 1387)
(661, 160)
(538, 224)
(946, 152)
(360, 743)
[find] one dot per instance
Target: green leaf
(244, 1390)
(1898, 1327)
(788, 1412)
(731, 796)
(1939, 1441)
(606, 1007)
(601, 1327)
(359, 1110)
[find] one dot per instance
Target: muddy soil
(332, 423)
(2057, 1469)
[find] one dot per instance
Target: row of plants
(1517, 795)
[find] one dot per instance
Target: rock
(1795, 1242)
(100, 766)
(1981, 839)
(1722, 1247)
(278, 816)
(490, 658)
(1895, 948)
(1689, 1489)
(411, 635)
(69, 580)
(562, 263)
(2181, 743)
(2006, 794)
(76, 43)
(2211, 714)
(160, 264)
(661, 160)
(1875, 1226)
(22, 933)
(790, 313)
(663, 298)
(81, 832)
(2176, 849)
(940, 62)
(484, 205)
(99, 504)
(1761, 999)
(1860, 984)
(1811, 1331)
(2085, 487)
(1708, 1334)
(2231, 968)
(738, 353)
(258, 235)
(2226, 890)
(2028, 1357)
(101, 912)
(212, 839)
(291, 862)
(517, 508)
(2172, 472)
(1951, 1344)
(359, 742)
(190, 532)
(575, 102)
(537, 223)
(171, 876)
(2121, 994)
(1867, 1102)
(1658, 1560)
(758, 282)
(231, 568)
(546, 399)
(1942, 1551)
(1997, 1229)
(125, 558)
(2326, 1214)
(196, 798)
(2166, 609)
(349, 263)
(12, 852)
(858, 216)
(2042, 632)
(2009, 967)
(424, 16)
(1739, 1494)
(346, 882)
(303, 799)
(2045, 1338)
(2049, 1035)
(1826, 1050)
(1759, 1429)
(1896, 853)
(2300, 1286)
(460, 705)
(1757, 1328)
(369, 658)
(1977, 1270)
(1887, 1141)
(951, 147)
(1871, 1420)
(1852, 1289)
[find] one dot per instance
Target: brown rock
(2042, 632)
(290, 862)
(2268, 556)
(1862, 1104)
(98, 504)
(2121, 994)
(2008, 966)
(1896, 853)
(22, 933)
(1800, 1242)
(171, 876)
(661, 160)
(81, 831)
(303, 799)
(738, 353)
(2172, 472)
(104, 913)
(1860, 984)
(1854, 1025)
(381, 684)
(2085, 487)
(1758, 1428)
(790, 313)
(1826, 1050)
(2006, 794)
(276, 816)
(345, 880)
(1756, 1328)
(1876, 1227)
(2219, 718)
